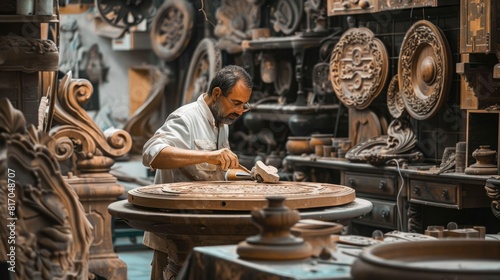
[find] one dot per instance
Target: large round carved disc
(239, 195)
(171, 29)
(424, 69)
(358, 68)
(206, 61)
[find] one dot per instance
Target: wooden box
(482, 129)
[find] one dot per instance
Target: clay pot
(484, 155)
(320, 140)
(297, 145)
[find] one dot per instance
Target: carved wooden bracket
(94, 149)
(47, 222)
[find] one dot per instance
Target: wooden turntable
(239, 195)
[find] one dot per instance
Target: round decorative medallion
(358, 67)
(171, 29)
(205, 62)
(424, 69)
(124, 14)
(395, 101)
(239, 195)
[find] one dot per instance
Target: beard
(219, 116)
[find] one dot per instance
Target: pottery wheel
(239, 195)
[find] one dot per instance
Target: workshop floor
(136, 256)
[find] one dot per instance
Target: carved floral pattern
(53, 236)
(424, 69)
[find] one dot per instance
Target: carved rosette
(235, 21)
(52, 233)
(424, 69)
(94, 149)
(171, 29)
(358, 68)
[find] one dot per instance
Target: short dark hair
(227, 77)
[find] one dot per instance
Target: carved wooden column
(92, 156)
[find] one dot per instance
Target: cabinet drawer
(372, 184)
(383, 214)
(431, 193)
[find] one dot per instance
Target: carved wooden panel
(478, 23)
(405, 4)
(235, 21)
(358, 67)
(424, 69)
(49, 235)
(350, 7)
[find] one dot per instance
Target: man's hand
(225, 158)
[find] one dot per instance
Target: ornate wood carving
(124, 14)
(143, 124)
(49, 235)
(477, 18)
(321, 83)
(395, 102)
(171, 29)
(492, 188)
(205, 62)
(316, 16)
(379, 150)
(19, 53)
(235, 21)
(94, 148)
(350, 7)
(358, 67)
(424, 69)
(287, 16)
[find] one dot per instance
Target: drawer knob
(352, 182)
(384, 214)
(416, 190)
(382, 185)
(444, 194)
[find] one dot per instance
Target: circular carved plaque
(206, 61)
(171, 29)
(395, 101)
(239, 195)
(358, 67)
(424, 69)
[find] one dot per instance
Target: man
(192, 144)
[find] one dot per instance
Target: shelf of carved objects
(358, 67)
(424, 69)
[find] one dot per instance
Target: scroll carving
(424, 69)
(379, 150)
(94, 148)
(358, 67)
(52, 234)
(287, 16)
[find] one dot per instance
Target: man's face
(228, 109)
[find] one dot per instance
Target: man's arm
(173, 157)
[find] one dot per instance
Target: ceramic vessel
(297, 145)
